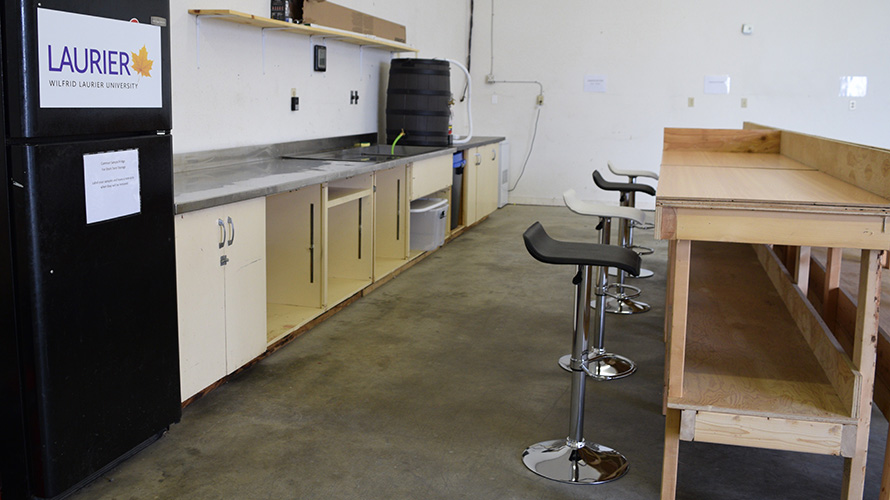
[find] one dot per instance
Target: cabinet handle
(232, 234)
(494, 154)
(222, 232)
(478, 159)
(360, 228)
(312, 243)
(398, 208)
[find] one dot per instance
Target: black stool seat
(624, 187)
(544, 248)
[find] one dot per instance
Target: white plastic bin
(429, 217)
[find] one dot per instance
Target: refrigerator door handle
(232, 232)
(222, 232)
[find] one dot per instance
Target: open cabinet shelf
(752, 372)
(233, 16)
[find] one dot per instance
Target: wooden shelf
(341, 195)
(746, 354)
(385, 266)
(340, 289)
(282, 319)
(302, 29)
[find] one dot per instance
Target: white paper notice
(717, 84)
(111, 184)
(595, 83)
(854, 86)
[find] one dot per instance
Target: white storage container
(429, 217)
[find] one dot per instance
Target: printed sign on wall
(111, 184)
(94, 62)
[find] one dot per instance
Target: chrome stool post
(632, 178)
(622, 302)
(573, 460)
(603, 365)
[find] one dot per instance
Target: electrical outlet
(540, 99)
(852, 105)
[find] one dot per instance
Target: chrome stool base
(580, 464)
(604, 367)
(643, 225)
(625, 305)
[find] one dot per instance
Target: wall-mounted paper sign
(717, 84)
(595, 83)
(854, 86)
(111, 185)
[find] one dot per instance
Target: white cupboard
(221, 289)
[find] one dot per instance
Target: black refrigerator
(89, 362)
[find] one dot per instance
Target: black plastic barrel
(417, 102)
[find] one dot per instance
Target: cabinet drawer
(429, 176)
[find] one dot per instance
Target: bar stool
(572, 460)
(629, 200)
(622, 302)
(603, 365)
(632, 178)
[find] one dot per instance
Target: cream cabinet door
(245, 276)
(471, 174)
(487, 181)
(201, 299)
(221, 291)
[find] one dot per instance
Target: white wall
(232, 100)
(654, 54)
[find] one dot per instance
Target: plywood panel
(721, 159)
(772, 433)
(772, 186)
(725, 140)
(744, 354)
(789, 228)
(835, 364)
(862, 166)
(293, 247)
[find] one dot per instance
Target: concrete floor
(434, 384)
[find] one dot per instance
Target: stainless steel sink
(377, 153)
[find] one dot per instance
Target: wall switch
(494, 98)
(747, 29)
(295, 103)
(744, 102)
(690, 102)
(540, 100)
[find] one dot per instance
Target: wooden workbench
(749, 361)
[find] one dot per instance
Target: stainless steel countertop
(210, 187)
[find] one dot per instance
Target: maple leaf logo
(141, 63)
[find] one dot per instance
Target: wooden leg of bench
(831, 288)
(671, 455)
(864, 357)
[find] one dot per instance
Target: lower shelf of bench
(750, 376)
(774, 433)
